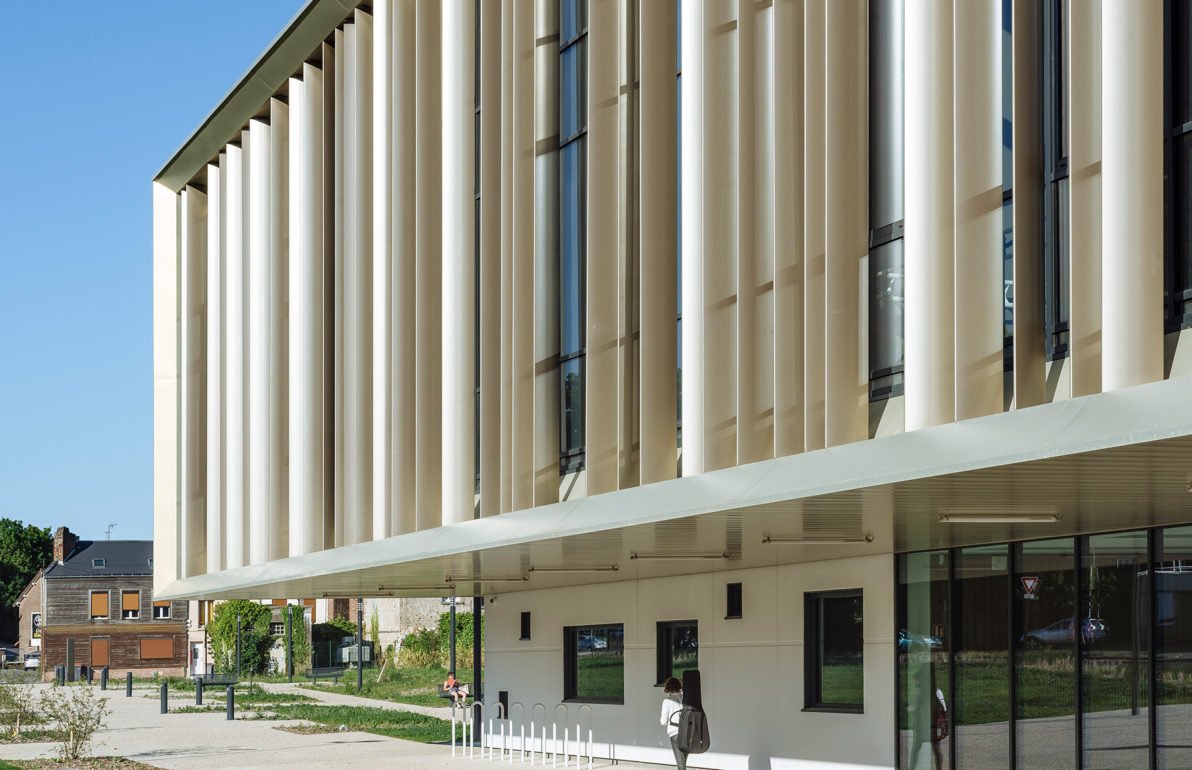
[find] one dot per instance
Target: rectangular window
(732, 601)
(204, 612)
(834, 647)
(1056, 246)
(99, 563)
(99, 605)
(277, 628)
(130, 605)
(100, 652)
(678, 648)
(594, 663)
(573, 204)
(525, 627)
(161, 610)
(156, 649)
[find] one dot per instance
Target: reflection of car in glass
(11, 654)
(591, 643)
(908, 640)
(33, 660)
(1063, 632)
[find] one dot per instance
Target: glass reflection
(1113, 628)
(982, 658)
(1045, 599)
(1173, 648)
(923, 730)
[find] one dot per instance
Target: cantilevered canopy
(1112, 461)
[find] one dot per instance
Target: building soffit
(267, 75)
(1103, 462)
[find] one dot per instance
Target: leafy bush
(255, 639)
(463, 640)
(301, 644)
(18, 706)
(420, 649)
(78, 713)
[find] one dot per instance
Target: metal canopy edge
(1138, 415)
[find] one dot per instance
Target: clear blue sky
(97, 96)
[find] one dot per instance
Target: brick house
(97, 608)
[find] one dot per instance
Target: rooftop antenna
(109, 530)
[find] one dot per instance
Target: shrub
(18, 706)
(301, 644)
(255, 639)
(463, 640)
(420, 649)
(78, 714)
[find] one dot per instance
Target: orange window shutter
(157, 649)
(131, 600)
(161, 603)
(99, 604)
(100, 652)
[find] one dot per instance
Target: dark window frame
(1177, 300)
(734, 595)
(571, 665)
(572, 458)
(476, 251)
(524, 635)
(1056, 295)
(664, 662)
(813, 602)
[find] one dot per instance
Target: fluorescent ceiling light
(811, 540)
(484, 579)
(598, 568)
(681, 556)
(999, 518)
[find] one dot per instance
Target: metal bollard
(198, 691)
(165, 699)
(90, 673)
(103, 678)
(128, 685)
(230, 699)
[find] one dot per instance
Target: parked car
(33, 661)
(908, 640)
(1063, 632)
(11, 655)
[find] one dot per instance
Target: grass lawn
(394, 724)
(416, 686)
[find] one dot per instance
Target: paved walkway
(339, 699)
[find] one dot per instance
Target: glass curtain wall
(1179, 165)
(924, 721)
(885, 199)
(573, 229)
(982, 656)
(1056, 246)
(1053, 653)
(1114, 661)
(1007, 187)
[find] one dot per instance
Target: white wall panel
(659, 246)
(787, 47)
(814, 32)
(279, 284)
(193, 310)
(260, 342)
(403, 460)
(692, 175)
(339, 157)
(522, 287)
(166, 318)
(846, 230)
(234, 351)
(978, 208)
(1132, 189)
(216, 246)
(929, 240)
(459, 255)
(329, 197)
(358, 280)
(491, 183)
(1084, 181)
(307, 317)
(508, 102)
(383, 331)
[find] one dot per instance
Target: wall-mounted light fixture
(595, 568)
(999, 518)
(487, 579)
(681, 556)
(811, 540)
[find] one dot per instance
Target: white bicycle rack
(467, 729)
(554, 736)
(517, 708)
(542, 744)
(578, 736)
(501, 718)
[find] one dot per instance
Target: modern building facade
(837, 349)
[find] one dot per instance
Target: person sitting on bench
(457, 691)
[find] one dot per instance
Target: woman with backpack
(672, 704)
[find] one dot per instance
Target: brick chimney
(64, 544)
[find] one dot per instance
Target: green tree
(24, 549)
(255, 639)
(301, 641)
(463, 640)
